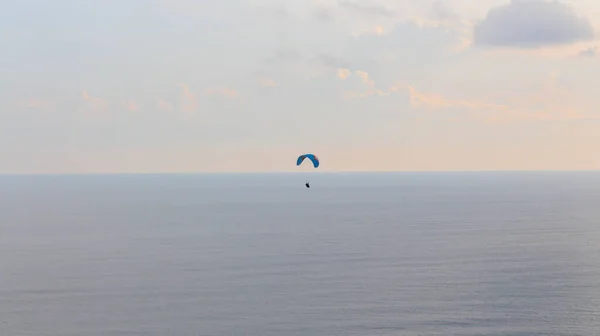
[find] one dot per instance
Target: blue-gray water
(261, 255)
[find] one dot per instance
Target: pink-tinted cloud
(267, 82)
(132, 106)
(188, 98)
(343, 73)
(501, 113)
(165, 105)
(435, 101)
(376, 30)
(364, 76)
(36, 104)
(93, 103)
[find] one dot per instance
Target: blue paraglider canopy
(313, 158)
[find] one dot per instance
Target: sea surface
(260, 255)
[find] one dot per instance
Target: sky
(154, 86)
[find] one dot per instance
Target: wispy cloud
(365, 79)
(364, 76)
(550, 103)
(499, 113)
(305, 65)
(377, 30)
(132, 106)
(267, 82)
(93, 103)
(165, 105)
(188, 98)
(434, 101)
(35, 104)
(457, 32)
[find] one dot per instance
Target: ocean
(465, 253)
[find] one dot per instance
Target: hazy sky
(241, 85)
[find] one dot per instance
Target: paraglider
(313, 158)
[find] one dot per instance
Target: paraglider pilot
(313, 158)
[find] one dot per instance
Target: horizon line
(303, 172)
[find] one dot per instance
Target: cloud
(364, 76)
(267, 82)
(536, 106)
(378, 30)
(408, 25)
(501, 113)
(35, 104)
(375, 30)
(532, 24)
(94, 103)
(343, 73)
(412, 39)
(308, 66)
(434, 101)
(132, 106)
(223, 92)
(188, 98)
(165, 105)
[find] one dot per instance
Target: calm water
(260, 255)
